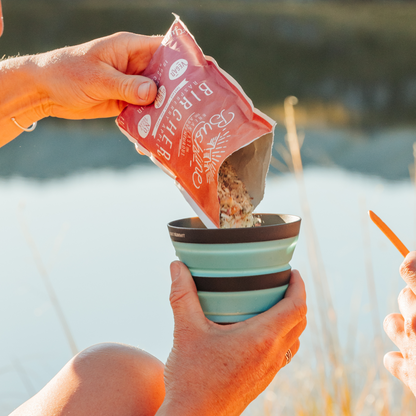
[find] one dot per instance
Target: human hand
(96, 79)
(401, 328)
(219, 369)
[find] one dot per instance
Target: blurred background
(83, 216)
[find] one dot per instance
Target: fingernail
(174, 270)
(144, 90)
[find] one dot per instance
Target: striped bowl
(238, 272)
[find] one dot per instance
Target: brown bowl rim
(192, 230)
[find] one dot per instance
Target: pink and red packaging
(200, 117)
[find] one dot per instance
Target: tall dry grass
(44, 274)
(332, 379)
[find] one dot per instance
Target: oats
(235, 202)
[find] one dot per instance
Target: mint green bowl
(238, 272)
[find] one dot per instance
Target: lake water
(102, 238)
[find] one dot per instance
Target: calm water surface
(103, 239)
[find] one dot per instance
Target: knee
(118, 369)
(114, 356)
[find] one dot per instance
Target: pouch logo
(178, 31)
(160, 97)
(177, 69)
(144, 126)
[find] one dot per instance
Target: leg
(103, 380)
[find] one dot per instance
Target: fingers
(291, 310)
(407, 306)
(140, 49)
(142, 45)
(292, 339)
(294, 349)
(131, 89)
(293, 336)
(154, 42)
(394, 327)
(125, 56)
(408, 270)
(183, 296)
(128, 52)
(296, 286)
(394, 362)
(401, 329)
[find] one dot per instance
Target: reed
(43, 272)
(330, 379)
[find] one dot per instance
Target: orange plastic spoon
(389, 234)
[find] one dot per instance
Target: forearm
(21, 96)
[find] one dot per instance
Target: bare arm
(20, 97)
(94, 80)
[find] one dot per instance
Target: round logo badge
(144, 126)
(160, 97)
(178, 68)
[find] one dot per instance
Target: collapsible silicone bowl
(238, 272)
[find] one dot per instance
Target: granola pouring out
(235, 202)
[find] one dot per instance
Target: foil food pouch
(200, 117)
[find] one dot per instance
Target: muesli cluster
(235, 202)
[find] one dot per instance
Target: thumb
(183, 295)
(132, 89)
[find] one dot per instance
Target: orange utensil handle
(389, 234)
